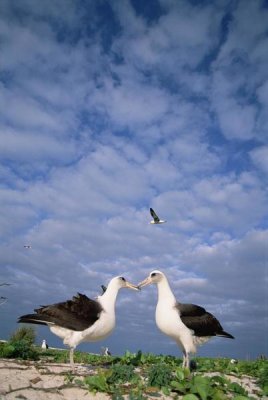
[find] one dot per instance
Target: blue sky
(109, 108)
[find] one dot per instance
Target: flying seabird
(188, 324)
(27, 246)
(156, 219)
(81, 319)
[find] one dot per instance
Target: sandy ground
(40, 381)
(47, 381)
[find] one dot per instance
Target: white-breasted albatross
(188, 324)
(81, 319)
(44, 344)
(156, 219)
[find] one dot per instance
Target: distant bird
(105, 351)
(81, 319)
(233, 361)
(44, 345)
(188, 324)
(27, 246)
(5, 284)
(156, 219)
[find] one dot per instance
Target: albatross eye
(122, 278)
(153, 274)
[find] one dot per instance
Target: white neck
(108, 299)
(165, 292)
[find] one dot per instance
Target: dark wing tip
(154, 215)
(104, 288)
(227, 335)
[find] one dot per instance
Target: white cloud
(101, 121)
(260, 157)
(33, 147)
(151, 45)
(130, 104)
(234, 93)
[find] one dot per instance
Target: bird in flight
(27, 246)
(156, 219)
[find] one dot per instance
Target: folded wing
(77, 314)
(201, 322)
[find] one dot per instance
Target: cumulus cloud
(260, 158)
(102, 118)
(234, 93)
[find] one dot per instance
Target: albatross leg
(186, 360)
(72, 358)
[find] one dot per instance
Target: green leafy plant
(143, 374)
(160, 375)
(20, 345)
(122, 374)
(25, 333)
(97, 383)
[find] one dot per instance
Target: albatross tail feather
(34, 319)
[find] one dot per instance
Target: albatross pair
(84, 320)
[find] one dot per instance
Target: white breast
(98, 331)
(169, 322)
(101, 328)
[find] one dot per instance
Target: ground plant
(140, 376)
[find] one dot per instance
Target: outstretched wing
(76, 314)
(154, 215)
(201, 322)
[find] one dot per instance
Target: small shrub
(7, 351)
(25, 333)
(159, 375)
(20, 345)
(122, 374)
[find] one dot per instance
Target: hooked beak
(130, 286)
(146, 282)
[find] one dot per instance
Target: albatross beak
(146, 282)
(130, 286)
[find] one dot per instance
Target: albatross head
(120, 282)
(154, 277)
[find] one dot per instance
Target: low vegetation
(20, 345)
(141, 375)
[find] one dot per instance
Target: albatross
(81, 319)
(188, 324)
(156, 219)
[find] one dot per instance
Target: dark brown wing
(154, 215)
(76, 314)
(201, 322)
(190, 310)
